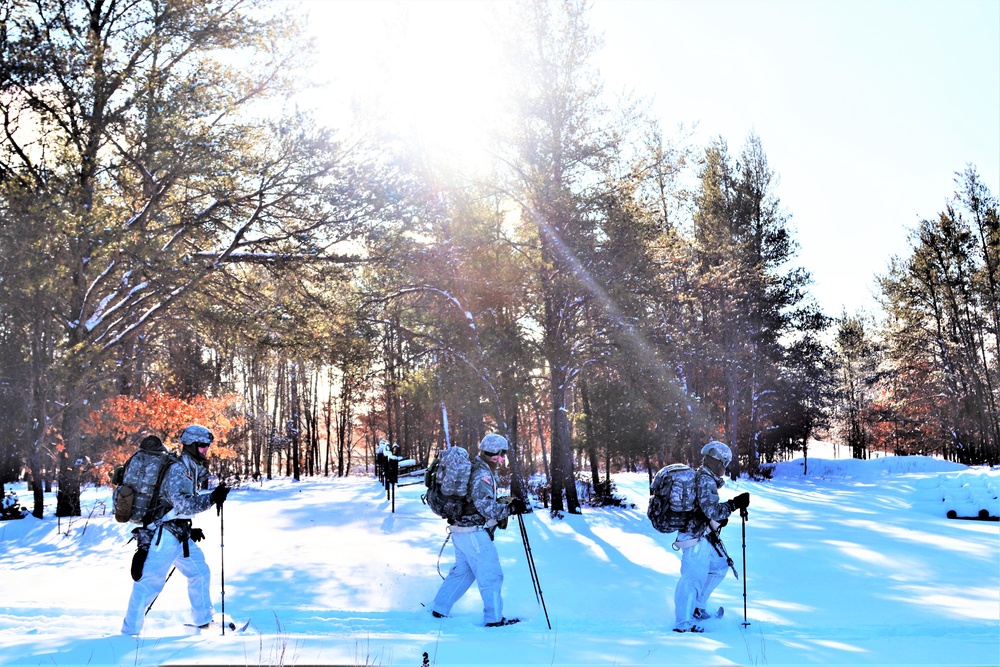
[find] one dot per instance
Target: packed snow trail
(848, 566)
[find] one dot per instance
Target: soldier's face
(715, 465)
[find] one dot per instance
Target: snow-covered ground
(854, 564)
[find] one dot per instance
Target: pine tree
(751, 304)
(136, 168)
(941, 331)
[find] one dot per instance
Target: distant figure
(704, 561)
(169, 540)
(476, 556)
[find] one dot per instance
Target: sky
(866, 109)
(853, 563)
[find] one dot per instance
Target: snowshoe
(198, 629)
(702, 615)
(502, 622)
(215, 625)
(689, 627)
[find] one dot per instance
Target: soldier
(476, 556)
(169, 539)
(703, 560)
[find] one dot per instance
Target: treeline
(925, 380)
(605, 296)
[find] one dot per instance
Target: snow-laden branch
(179, 233)
(90, 291)
(143, 318)
(100, 314)
(277, 258)
(403, 291)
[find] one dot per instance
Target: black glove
(723, 523)
(219, 494)
(517, 506)
(740, 502)
(197, 534)
(138, 560)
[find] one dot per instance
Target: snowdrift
(854, 563)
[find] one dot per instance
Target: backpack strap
(157, 509)
(179, 528)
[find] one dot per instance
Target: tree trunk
(293, 420)
(518, 486)
(70, 464)
(328, 411)
(562, 456)
(588, 417)
(733, 417)
(546, 469)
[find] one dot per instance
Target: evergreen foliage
(606, 297)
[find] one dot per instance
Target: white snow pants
(162, 556)
(702, 570)
(476, 559)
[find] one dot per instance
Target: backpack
(447, 482)
(672, 498)
(138, 480)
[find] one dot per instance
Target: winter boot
(502, 622)
(702, 615)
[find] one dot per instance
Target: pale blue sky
(864, 108)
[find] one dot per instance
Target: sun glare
(424, 69)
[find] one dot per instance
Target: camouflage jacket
(179, 494)
(707, 504)
(483, 507)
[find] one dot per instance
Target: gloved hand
(740, 502)
(517, 506)
(138, 560)
(219, 494)
(197, 534)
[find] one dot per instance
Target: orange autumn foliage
(121, 422)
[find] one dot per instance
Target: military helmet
(719, 451)
(195, 433)
(493, 444)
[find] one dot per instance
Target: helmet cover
(493, 444)
(719, 451)
(195, 433)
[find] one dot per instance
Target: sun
(425, 69)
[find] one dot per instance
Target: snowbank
(955, 492)
(845, 568)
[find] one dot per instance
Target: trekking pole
(532, 570)
(222, 563)
(743, 518)
(530, 560)
(443, 545)
(161, 590)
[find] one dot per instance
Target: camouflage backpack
(138, 480)
(447, 482)
(672, 498)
